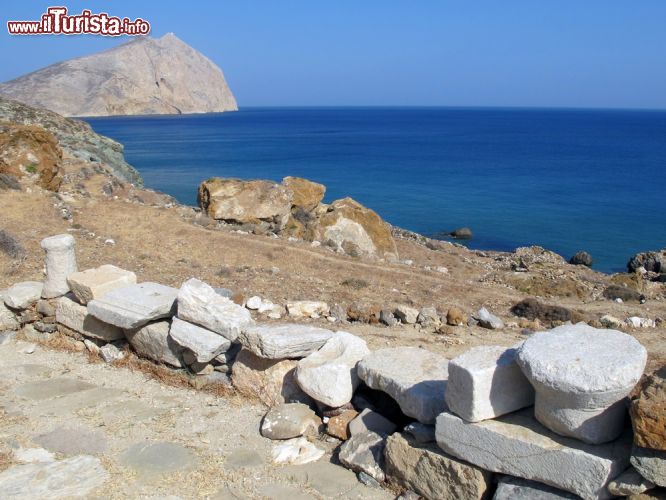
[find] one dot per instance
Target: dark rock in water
(581, 259)
(532, 309)
(614, 292)
(652, 261)
(462, 233)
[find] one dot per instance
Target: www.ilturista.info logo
(56, 22)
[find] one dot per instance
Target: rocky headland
(271, 344)
(142, 77)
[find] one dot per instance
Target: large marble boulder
(581, 376)
(203, 344)
(152, 341)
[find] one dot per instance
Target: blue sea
(567, 180)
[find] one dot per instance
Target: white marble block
(60, 263)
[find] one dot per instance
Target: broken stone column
(60, 263)
(582, 376)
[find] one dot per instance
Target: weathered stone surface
(273, 381)
(52, 388)
(364, 453)
(648, 411)
(371, 421)
(486, 382)
(135, 305)
(516, 444)
(111, 353)
(431, 473)
(581, 259)
(199, 304)
(23, 295)
(630, 482)
(289, 420)
(76, 317)
(406, 314)
(347, 224)
(284, 341)
(307, 309)
(94, 283)
(73, 477)
(204, 344)
(60, 263)
(246, 202)
(158, 457)
(387, 317)
(651, 464)
(515, 488)
(152, 341)
(488, 320)
(581, 376)
(296, 451)
(338, 426)
(73, 441)
(306, 194)
(329, 374)
(428, 317)
(8, 320)
(420, 433)
(414, 377)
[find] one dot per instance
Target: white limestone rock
(23, 295)
(199, 304)
(153, 341)
(581, 376)
(486, 382)
(135, 305)
(204, 344)
(488, 320)
(406, 314)
(74, 477)
(516, 444)
(76, 317)
(94, 283)
(329, 374)
(307, 309)
(638, 322)
(253, 303)
(364, 453)
(630, 482)
(60, 263)
(289, 420)
(414, 377)
(111, 353)
(296, 451)
(284, 341)
(8, 320)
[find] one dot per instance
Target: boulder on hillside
(581, 259)
(30, 150)
(306, 194)
(246, 202)
(652, 261)
(356, 230)
(532, 309)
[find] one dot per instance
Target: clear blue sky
(560, 53)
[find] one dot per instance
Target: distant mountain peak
(141, 77)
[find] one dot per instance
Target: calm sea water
(568, 180)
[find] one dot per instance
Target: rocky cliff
(144, 76)
(75, 137)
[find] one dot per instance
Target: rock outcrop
(75, 137)
(143, 77)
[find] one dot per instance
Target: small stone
(60, 263)
(8, 320)
(371, 421)
(651, 464)
(76, 317)
(296, 451)
(253, 303)
(289, 420)
(111, 353)
(581, 376)
(387, 317)
(364, 453)
(406, 314)
(307, 309)
(488, 320)
(638, 322)
(432, 473)
(368, 480)
(45, 308)
(420, 433)
(94, 283)
(414, 377)
(284, 341)
(199, 304)
(204, 344)
(91, 346)
(338, 425)
(517, 445)
(455, 317)
(135, 305)
(428, 317)
(23, 295)
(630, 482)
(153, 341)
(609, 321)
(329, 374)
(486, 382)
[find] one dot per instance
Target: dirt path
(153, 441)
